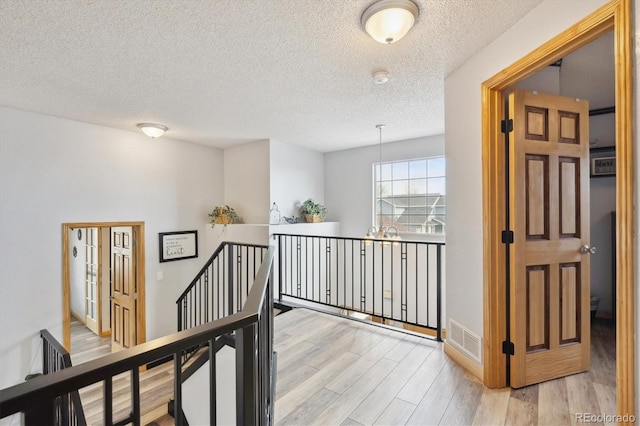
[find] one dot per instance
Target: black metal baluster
(206, 295)
(246, 366)
(135, 396)
(229, 279)
(298, 267)
(177, 390)
(438, 294)
(391, 284)
(238, 279)
(403, 282)
(327, 272)
(213, 398)
(280, 268)
(107, 403)
(416, 279)
(363, 275)
(382, 279)
(373, 277)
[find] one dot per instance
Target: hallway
(333, 371)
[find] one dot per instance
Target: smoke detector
(380, 77)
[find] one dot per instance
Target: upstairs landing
(334, 371)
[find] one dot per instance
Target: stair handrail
(51, 343)
(215, 254)
(195, 305)
(35, 397)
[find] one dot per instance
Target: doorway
(94, 299)
(616, 16)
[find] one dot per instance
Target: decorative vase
(274, 215)
(313, 218)
(223, 219)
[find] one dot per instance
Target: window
(410, 195)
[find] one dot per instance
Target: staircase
(225, 323)
(219, 289)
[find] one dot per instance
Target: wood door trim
(616, 16)
(138, 229)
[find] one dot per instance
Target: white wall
(464, 142)
(547, 80)
(349, 179)
(196, 393)
(296, 174)
(55, 171)
(246, 181)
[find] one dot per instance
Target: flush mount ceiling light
(152, 130)
(387, 21)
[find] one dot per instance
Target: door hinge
(135, 296)
(508, 348)
(506, 126)
(507, 237)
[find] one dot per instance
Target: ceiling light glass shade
(387, 21)
(153, 130)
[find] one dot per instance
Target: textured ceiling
(220, 72)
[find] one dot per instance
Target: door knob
(585, 249)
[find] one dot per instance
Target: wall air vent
(465, 340)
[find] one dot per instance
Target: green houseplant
(312, 211)
(224, 215)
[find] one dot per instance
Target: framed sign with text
(603, 166)
(178, 245)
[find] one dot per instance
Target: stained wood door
(550, 289)
(123, 287)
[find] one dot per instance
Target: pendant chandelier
(381, 232)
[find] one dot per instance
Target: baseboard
(424, 330)
(469, 365)
(78, 317)
(105, 333)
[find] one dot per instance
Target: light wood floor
(332, 371)
(156, 384)
(85, 344)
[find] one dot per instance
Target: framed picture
(603, 166)
(178, 245)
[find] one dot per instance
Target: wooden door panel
(569, 303)
(123, 304)
(116, 332)
(549, 201)
(537, 123)
(569, 127)
(537, 308)
(537, 196)
(569, 193)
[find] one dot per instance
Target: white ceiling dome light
(153, 130)
(387, 21)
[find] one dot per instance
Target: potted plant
(223, 215)
(312, 211)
